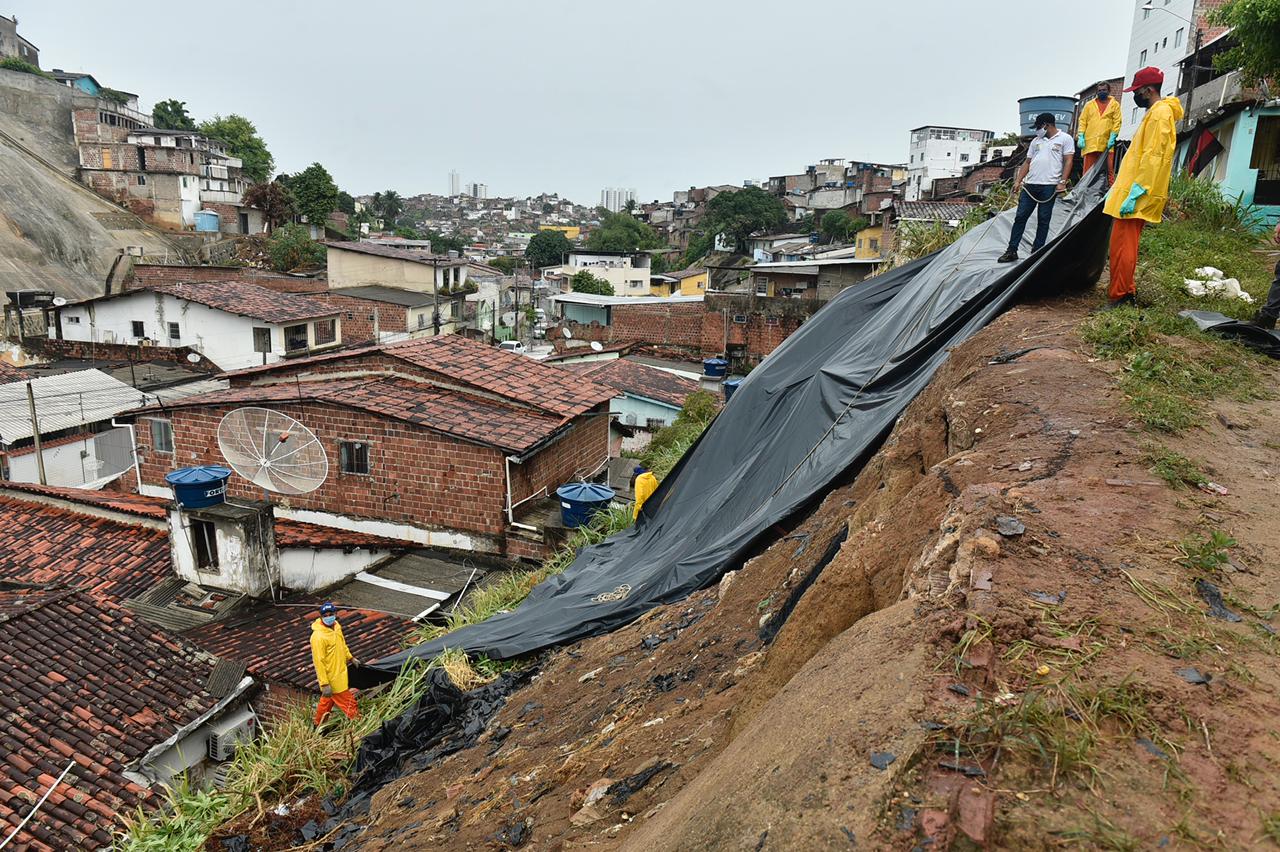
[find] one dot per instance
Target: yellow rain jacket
(646, 484)
(330, 656)
(1149, 163)
(1097, 127)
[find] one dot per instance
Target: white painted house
(234, 324)
(627, 271)
(938, 152)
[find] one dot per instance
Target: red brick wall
(678, 324)
(358, 314)
(578, 453)
(769, 322)
(417, 476)
(146, 273)
(82, 349)
(275, 701)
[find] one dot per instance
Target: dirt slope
(989, 653)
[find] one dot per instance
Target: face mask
(1141, 100)
(1040, 133)
(1103, 94)
(329, 620)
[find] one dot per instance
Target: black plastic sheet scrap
(1264, 340)
(814, 411)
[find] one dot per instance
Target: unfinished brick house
(436, 441)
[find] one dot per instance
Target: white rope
(28, 817)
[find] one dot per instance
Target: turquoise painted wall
(643, 410)
(86, 85)
(1234, 176)
(585, 314)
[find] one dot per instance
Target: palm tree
(392, 205)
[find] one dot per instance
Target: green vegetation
(917, 239)
(1255, 30)
(584, 282)
(346, 203)
(739, 214)
(292, 758)
(114, 96)
(13, 63)
(622, 232)
(242, 140)
(508, 265)
(291, 247)
(1205, 555)
(670, 443)
(387, 206)
(838, 226)
(274, 200)
(315, 194)
(700, 245)
(1271, 827)
(547, 248)
(1173, 467)
(172, 115)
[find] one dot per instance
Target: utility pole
(35, 432)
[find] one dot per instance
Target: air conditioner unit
(229, 732)
(218, 775)
(629, 419)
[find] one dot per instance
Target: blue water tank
(1063, 108)
(714, 367)
(197, 487)
(729, 387)
(580, 501)
(208, 221)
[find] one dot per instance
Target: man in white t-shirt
(1042, 176)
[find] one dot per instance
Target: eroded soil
(986, 639)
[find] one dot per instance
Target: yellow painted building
(570, 231)
(869, 242)
(693, 282)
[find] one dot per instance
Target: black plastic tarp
(813, 411)
(1266, 341)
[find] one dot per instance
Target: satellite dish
(59, 302)
(566, 332)
(596, 347)
(193, 358)
(272, 450)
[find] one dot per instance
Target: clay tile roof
(41, 543)
(517, 378)
(507, 374)
(638, 379)
(274, 642)
(245, 299)
(932, 211)
(85, 682)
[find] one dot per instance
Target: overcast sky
(571, 96)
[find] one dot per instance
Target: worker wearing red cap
(1142, 185)
(330, 655)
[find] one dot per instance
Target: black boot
(1129, 301)
(1262, 320)
(1009, 256)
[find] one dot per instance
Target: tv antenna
(272, 450)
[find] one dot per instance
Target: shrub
(291, 246)
(13, 63)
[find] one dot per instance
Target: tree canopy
(547, 248)
(172, 115)
(622, 232)
(315, 194)
(507, 264)
(584, 282)
(291, 246)
(346, 203)
(273, 199)
(838, 226)
(739, 214)
(242, 140)
(1255, 30)
(387, 206)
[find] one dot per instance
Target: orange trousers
(344, 701)
(1091, 158)
(1125, 234)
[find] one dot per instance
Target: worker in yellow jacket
(1142, 186)
(1099, 127)
(645, 484)
(330, 655)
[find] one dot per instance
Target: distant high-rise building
(478, 190)
(614, 199)
(455, 183)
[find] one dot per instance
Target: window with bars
(353, 457)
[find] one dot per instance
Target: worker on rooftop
(1142, 185)
(645, 484)
(330, 655)
(1099, 128)
(1040, 178)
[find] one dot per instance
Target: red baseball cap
(1149, 76)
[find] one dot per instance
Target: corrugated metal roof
(64, 402)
